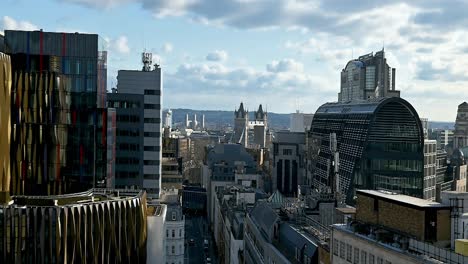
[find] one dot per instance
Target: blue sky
(285, 54)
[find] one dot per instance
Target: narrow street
(196, 229)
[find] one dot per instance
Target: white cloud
(121, 44)
(217, 55)
(12, 24)
(100, 3)
(285, 65)
(167, 47)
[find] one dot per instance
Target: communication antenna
(147, 60)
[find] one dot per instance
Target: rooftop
(402, 198)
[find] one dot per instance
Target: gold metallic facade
(5, 95)
(97, 226)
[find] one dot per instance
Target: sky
(284, 54)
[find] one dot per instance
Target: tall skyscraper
(168, 119)
(367, 77)
(58, 127)
(460, 135)
(147, 82)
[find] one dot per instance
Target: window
(167, 232)
(152, 134)
(152, 106)
(335, 247)
(156, 120)
(342, 250)
(174, 218)
(356, 255)
(388, 262)
(173, 233)
(379, 260)
(151, 176)
(363, 257)
(371, 259)
(151, 162)
(349, 252)
(152, 92)
(180, 232)
(152, 148)
(287, 151)
(376, 205)
(173, 249)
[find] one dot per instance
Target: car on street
(191, 242)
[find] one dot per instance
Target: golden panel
(5, 99)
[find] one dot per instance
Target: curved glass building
(379, 144)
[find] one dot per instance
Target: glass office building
(379, 144)
(58, 127)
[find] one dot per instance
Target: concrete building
(444, 139)
(231, 205)
(63, 149)
(458, 202)
(166, 230)
(148, 83)
(393, 228)
(443, 180)
(379, 145)
(460, 135)
(425, 127)
(288, 162)
(111, 147)
(367, 77)
(223, 161)
(129, 141)
(300, 122)
(430, 166)
(174, 228)
(274, 237)
(171, 164)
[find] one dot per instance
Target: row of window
(128, 133)
(151, 162)
(152, 148)
(123, 104)
(127, 174)
(128, 118)
(127, 161)
(173, 231)
(345, 251)
(152, 106)
(152, 134)
(152, 92)
(151, 176)
(129, 146)
(156, 120)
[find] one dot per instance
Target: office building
(111, 147)
(223, 161)
(5, 101)
(147, 83)
(129, 141)
(58, 128)
(460, 135)
(96, 226)
(288, 162)
(171, 164)
(444, 181)
(394, 228)
(430, 166)
(272, 236)
(174, 227)
(378, 145)
(444, 139)
(168, 119)
(367, 77)
(300, 122)
(425, 127)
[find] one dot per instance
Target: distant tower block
(460, 137)
(195, 122)
(168, 120)
(203, 121)
(187, 122)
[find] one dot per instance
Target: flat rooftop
(401, 198)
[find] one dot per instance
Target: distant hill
(276, 121)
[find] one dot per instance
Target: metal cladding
(58, 125)
(5, 95)
(89, 227)
(380, 146)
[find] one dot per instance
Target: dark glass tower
(379, 144)
(58, 126)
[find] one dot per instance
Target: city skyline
(206, 53)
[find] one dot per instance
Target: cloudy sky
(286, 54)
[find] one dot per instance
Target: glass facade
(380, 146)
(58, 129)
